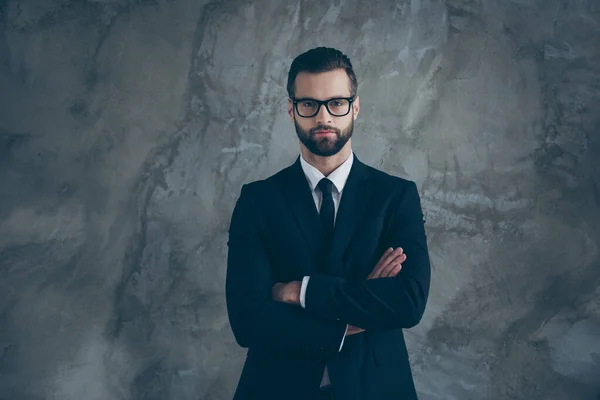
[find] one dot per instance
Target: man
(328, 258)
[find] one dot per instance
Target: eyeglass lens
(336, 107)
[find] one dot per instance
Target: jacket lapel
(299, 198)
(355, 197)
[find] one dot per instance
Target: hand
(287, 292)
(353, 330)
(389, 264)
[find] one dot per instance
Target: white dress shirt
(339, 177)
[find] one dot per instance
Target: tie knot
(325, 185)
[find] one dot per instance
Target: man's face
(323, 134)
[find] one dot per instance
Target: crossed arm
(388, 266)
(260, 321)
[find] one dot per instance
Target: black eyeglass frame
(324, 102)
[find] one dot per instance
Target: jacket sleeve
(383, 303)
(256, 320)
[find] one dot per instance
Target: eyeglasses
(308, 108)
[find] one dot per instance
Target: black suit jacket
(275, 235)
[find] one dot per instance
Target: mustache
(324, 128)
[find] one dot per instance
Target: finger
(401, 259)
(398, 265)
(390, 257)
(376, 273)
(385, 254)
(385, 262)
(393, 269)
(354, 330)
(387, 271)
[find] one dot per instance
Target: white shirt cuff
(303, 304)
(344, 337)
(303, 291)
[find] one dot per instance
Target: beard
(325, 146)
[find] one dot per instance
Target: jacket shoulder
(384, 179)
(265, 186)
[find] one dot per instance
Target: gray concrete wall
(128, 127)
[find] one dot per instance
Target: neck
(326, 165)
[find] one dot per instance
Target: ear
(356, 106)
(290, 109)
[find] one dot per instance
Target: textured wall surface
(127, 128)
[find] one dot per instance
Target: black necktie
(327, 209)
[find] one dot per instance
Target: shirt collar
(339, 176)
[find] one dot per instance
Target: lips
(323, 132)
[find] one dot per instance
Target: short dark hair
(320, 59)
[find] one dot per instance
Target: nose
(323, 117)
